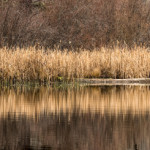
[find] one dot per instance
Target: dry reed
(39, 65)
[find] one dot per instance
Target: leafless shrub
(74, 24)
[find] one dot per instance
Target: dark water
(85, 118)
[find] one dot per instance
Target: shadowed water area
(82, 118)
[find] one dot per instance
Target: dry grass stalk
(31, 64)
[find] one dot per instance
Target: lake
(81, 118)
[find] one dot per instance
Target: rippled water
(84, 118)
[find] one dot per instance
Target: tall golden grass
(31, 64)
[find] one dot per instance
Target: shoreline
(132, 81)
(79, 82)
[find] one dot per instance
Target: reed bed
(39, 65)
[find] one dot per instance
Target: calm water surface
(85, 118)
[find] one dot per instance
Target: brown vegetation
(39, 65)
(74, 23)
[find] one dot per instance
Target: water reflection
(112, 100)
(85, 118)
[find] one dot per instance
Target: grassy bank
(55, 65)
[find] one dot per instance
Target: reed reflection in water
(84, 118)
(107, 99)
